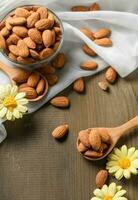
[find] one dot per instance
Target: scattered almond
(88, 33)
(102, 33)
(46, 53)
(79, 85)
(101, 178)
(60, 131)
(88, 50)
(59, 61)
(105, 42)
(111, 75)
(103, 85)
(95, 7)
(61, 102)
(89, 65)
(52, 79)
(79, 8)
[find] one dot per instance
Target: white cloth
(119, 16)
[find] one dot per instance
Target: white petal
(133, 170)
(113, 169)
(22, 101)
(124, 150)
(3, 112)
(130, 152)
(1, 106)
(7, 90)
(16, 113)
(96, 198)
(127, 173)
(119, 174)
(21, 108)
(113, 157)
(20, 95)
(134, 163)
(118, 152)
(119, 187)
(120, 193)
(9, 115)
(112, 189)
(134, 156)
(111, 163)
(98, 193)
(120, 198)
(14, 91)
(104, 190)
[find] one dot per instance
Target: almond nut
(81, 148)
(79, 8)
(93, 154)
(30, 92)
(5, 32)
(29, 42)
(43, 24)
(89, 65)
(79, 85)
(52, 79)
(2, 42)
(88, 33)
(22, 76)
(32, 19)
(88, 50)
(14, 50)
(61, 102)
(59, 61)
(33, 80)
(95, 139)
(43, 12)
(95, 7)
(22, 12)
(21, 31)
(60, 131)
(104, 135)
(102, 33)
(101, 178)
(105, 42)
(35, 35)
(84, 138)
(34, 54)
(103, 85)
(46, 53)
(16, 21)
(23, 50)
(40, 87)
(111, 75)
(47, 37)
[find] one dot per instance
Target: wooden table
(33, 166)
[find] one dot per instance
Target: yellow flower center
(10, 103)
(107, 198)
(124, 163)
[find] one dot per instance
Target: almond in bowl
(30, 36)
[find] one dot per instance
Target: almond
(46, 53)
(8, 26)
(30, 43)
(40, 87)
(33, 80)
(53, 36)
(25, 60)
(79, 85)
(22, 76)
(47, 37)
(22, 12)
(59, 61)
(35, 35)
(105, 42)
(30, 92)
(95, 139)
(88, 50)
(103, 85)
(79, 8)
(23, 85)
(57, 30)
(88, 33)
(5, 32)
(60, 131)
(104, 135)
(43, 24)
(93, 154)
(102, 33)
(101, 178)
(14, 50)
(12, 57)
(81, 148)
(89, 65)
(84, 138)
(56, 46)
(15, 21)
(2, 42)
(52, 79)
(103, 147)
(95, 7)
(32, 19)
(34, 54)
(43, 12)
(23, 50)
(47, 70)
(2, 24)
(51, 18)
(13, 39)
(111, 75)
(21, 31)
(61, 102)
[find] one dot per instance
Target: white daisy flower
(12, 103)
(111, 192)
(123, 162)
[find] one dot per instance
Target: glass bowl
(39, 63)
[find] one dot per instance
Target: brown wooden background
(33, 166)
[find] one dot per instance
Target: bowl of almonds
(30, 36)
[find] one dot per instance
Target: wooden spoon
(115, 134)
(15, 72)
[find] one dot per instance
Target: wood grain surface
(33, 166)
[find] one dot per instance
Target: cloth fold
(120, 18)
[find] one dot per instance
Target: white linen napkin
(121, 18)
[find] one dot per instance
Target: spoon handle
(8, 70)
(133, 123)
